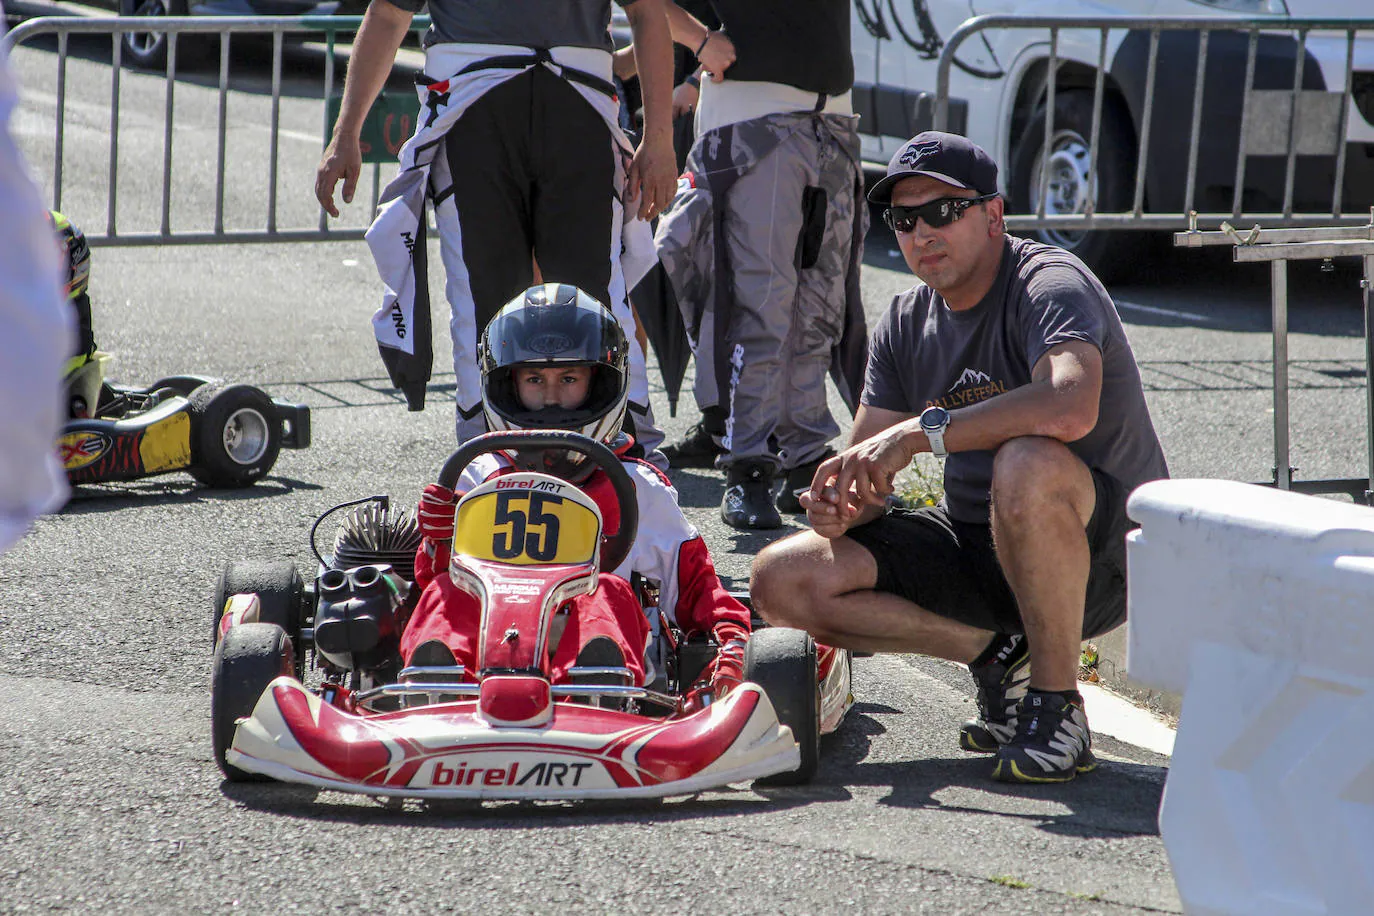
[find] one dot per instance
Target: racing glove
(726, 670)
(434, 517)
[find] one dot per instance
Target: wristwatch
(934, 422)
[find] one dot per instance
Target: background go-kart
(109, 800)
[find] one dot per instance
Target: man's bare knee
(1035, 474)
(777, 583)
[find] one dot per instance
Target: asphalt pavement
(109, 799)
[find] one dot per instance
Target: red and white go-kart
(525, 544)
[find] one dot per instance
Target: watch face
(934, 418)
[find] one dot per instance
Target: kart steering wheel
(615, 547)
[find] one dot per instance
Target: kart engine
(365, 583)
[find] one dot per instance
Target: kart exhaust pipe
(355, 618)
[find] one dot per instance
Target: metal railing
(1289, 116)
(1278, 247)
(325, 28)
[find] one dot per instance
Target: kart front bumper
(449, 751)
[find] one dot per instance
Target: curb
(1111, 673)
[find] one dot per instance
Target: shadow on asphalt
(89, 499)
(335, 807)
(1118, 799)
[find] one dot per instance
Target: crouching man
(1009, 361)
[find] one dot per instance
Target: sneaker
(698, 449)
(1052, 741)
(1002, 679)
(748, 500)
(798, 481)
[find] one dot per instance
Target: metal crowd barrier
(1267, 125)
(323, 27)
(1278, 247)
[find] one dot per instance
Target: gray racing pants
(789, 226)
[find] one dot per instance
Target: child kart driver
(555, 358)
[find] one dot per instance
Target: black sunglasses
(936, 213)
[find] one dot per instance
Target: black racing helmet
(556, 325)
(75, 254)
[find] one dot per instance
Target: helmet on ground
(555, 325)
(75, 254)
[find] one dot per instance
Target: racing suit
(764, 241)
(525, 172)
(667, 550)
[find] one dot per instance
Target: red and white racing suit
(667, 549)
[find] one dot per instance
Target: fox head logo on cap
(915, 152)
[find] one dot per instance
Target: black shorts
(949, 567)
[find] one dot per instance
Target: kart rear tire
(235, 435)
(247, 659)
(281, 597)
(782, 661)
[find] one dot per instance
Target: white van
(998, 91)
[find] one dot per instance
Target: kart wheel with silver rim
(235, 435)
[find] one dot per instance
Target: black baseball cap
(950, 158)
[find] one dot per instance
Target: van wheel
(1071, 185)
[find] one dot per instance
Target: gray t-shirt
(530, 23)
(925, 353)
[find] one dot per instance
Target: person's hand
(623, 62)
(434, 516)
(652, 179)
(685, 99)
(823, 512)
(859, 476)
(717, 55)
(342, 159)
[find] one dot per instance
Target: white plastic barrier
(1258, 606)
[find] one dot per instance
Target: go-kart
(223, 435)
(525, 544)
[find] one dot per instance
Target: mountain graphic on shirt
(971, 377)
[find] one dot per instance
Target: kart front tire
(280, 591)
(235, 435)
(247, 659)
(782, 661)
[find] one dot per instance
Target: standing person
(1010, 362)
(518, 145)
(36, 342)
(700, 50)
(763, 246)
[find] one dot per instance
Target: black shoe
(697, 449)
(1002, 679)
(599, 652)
(748, 500)
(432, 654)
(1052, 742)
(798, 481)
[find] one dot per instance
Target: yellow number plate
(526, 520)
